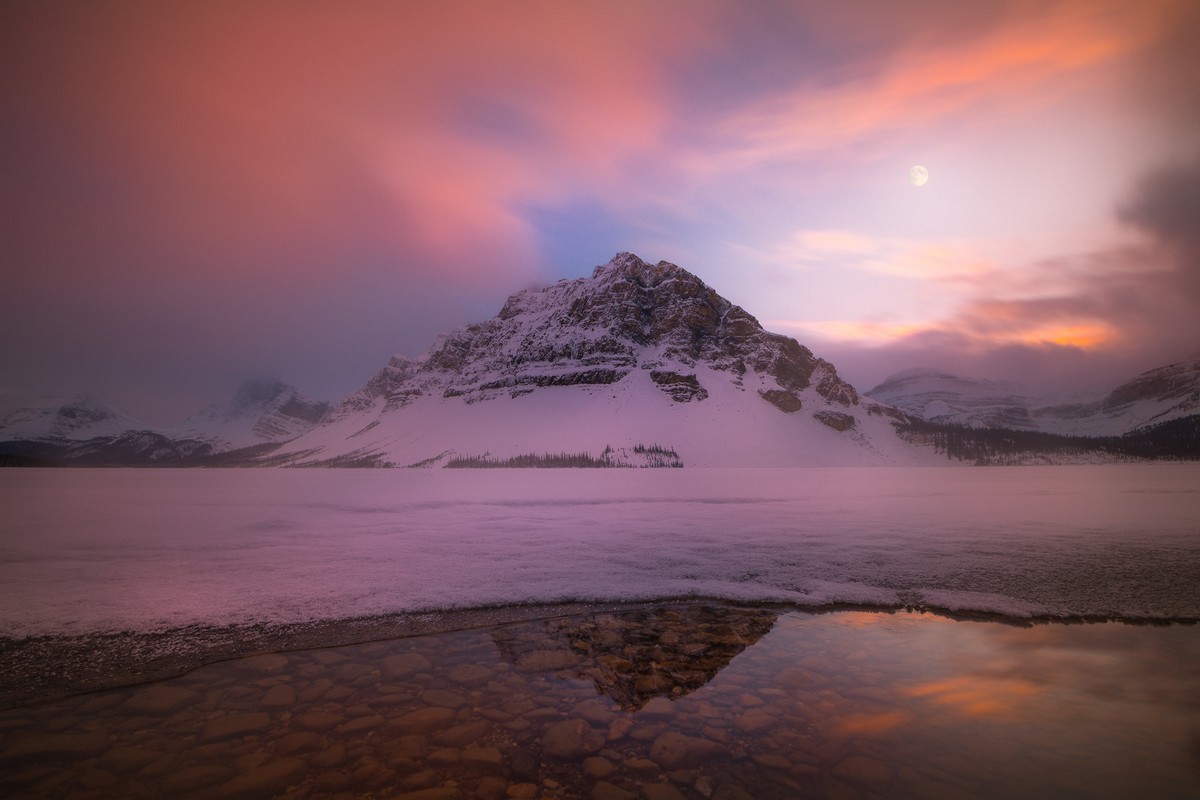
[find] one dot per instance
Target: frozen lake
(85, 551)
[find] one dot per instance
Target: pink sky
(198, 193)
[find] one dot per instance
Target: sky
(194, 194)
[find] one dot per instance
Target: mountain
(1155, 397)
(261, 412)
(639, 364)
(84, 432)
(71, 419)
(1159, 396)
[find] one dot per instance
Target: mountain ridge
(634, 355)
(1154, 397)
(638, 364)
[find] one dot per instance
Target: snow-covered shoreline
(94, 551)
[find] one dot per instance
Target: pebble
(571, 739)
(422, 720)
(280, 696)
(160, 700)
(675, 750)
(661, 791)
(603, 790)
(234, 725)
(621, 706)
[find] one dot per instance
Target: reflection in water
(638, 655)
(976, 696)
(685, 701)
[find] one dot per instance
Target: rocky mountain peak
(628, 315)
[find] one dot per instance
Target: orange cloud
(942, 260)
(859, 331)
(1019, 63)
(226, 128)
(1084, 335)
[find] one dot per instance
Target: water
(679, 701)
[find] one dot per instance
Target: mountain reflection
(635, 656)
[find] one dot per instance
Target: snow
(100, 550)
(258, 413)
(1159, 395)
(733, 426)
(76, 418)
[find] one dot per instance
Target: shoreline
(39, 669)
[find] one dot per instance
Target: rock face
(601, 370)
(597, 330)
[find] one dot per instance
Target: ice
(102, 550)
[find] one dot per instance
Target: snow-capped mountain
(638, 359)
(1160, 395)
(85, 432)
(70, 419)
(637, 365)
(261, 412)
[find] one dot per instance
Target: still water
(659, 703)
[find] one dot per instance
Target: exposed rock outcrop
(595, 331)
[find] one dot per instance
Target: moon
(918, 175)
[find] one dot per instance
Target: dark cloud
(1166, 205)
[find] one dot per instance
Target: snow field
(100, 550)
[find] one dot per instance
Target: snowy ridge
(73, 419)
(260, 412)
(1159, 395)
(83, 431)
(634, 355)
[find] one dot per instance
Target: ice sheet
(100, 550)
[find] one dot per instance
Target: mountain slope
(1154, 397)
(1160, 395)
(636, 355)
(84, 432)
(72, 419)
(260, 412)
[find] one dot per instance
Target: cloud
(219, 127)
(235, 185)
(190, 189)
(924, 259)
(931, 77)
(1095, 317)
(1165, 206)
